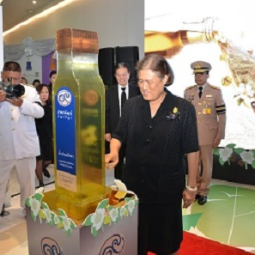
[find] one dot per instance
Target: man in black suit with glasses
(115, 100)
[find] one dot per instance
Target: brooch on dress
(173, 115)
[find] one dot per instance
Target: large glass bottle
(236, 39)
(78, 123)
(171, 42)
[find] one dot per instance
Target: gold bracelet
(191, 189)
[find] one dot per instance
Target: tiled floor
(228, 216)
(9, 224)
(16, 213)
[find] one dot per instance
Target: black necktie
(200, 91)
(123, 97)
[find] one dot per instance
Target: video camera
(12, 90)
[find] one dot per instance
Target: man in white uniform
(19, 144)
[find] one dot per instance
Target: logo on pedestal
(50, 246)
(113, 245)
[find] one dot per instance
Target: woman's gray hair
(157, 64)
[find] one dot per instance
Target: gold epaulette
(190, 87)
(214, 87)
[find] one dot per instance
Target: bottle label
(91, 127)
(65, 139)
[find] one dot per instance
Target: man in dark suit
(115, 99)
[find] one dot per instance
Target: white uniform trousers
(206, 158)
(26, 175)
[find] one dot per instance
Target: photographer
(18, 136)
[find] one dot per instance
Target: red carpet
(195, 245)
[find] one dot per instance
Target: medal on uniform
(206, 111)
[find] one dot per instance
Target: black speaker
(106, 65)
(129, 55)
(109, 57)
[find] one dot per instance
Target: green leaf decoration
(33, 216)
(110, 207)
(51, 223)
(27, 202)
(53, 217)
(44, 205)
(38, 196)
(94, 232)
(103, 203)
(239, 150)
(127, 199)
(190, 220)
(59, 219)
(73, 226)
(231, 145)
(87, 222)
(221, 161)
(69, 232)
(253, 164)
(62, 212)
(216, 152)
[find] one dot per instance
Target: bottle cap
(77, 40)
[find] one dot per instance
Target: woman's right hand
(111, 160)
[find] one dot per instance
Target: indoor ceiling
(16, 11)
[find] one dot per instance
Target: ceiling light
(39, 15)
(34, 2)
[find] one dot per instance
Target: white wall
(118, 23)
(36, 72)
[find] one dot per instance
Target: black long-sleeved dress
(155, 166)
(44, 131)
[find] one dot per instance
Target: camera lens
(14, 90)
(18, 90)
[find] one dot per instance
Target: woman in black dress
(159, 129)
(44, 131)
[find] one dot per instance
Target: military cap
(200, 67)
